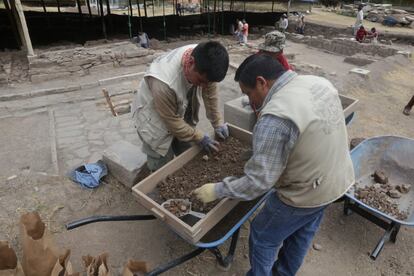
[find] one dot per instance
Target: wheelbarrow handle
(93, 219)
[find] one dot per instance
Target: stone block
(133, 61)
(238, 114)
(125, 161)
(361, 72)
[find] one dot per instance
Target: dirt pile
(229, 161)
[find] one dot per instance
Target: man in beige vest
(300, 148)
(165, 109)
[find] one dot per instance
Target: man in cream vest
(300, 148)
(165, 110)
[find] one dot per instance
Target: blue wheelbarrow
(395, 156)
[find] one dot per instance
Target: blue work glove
(209, 144)
(222, 131)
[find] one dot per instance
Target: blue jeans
(281, 226)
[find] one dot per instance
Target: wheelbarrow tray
(394, 155)
(195, 232)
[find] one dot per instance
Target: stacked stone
(344, 46)
(81, 61)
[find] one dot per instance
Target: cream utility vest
(319, 169)
(150, 127)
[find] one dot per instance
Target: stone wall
(343, 46)
(81, 61)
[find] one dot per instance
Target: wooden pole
(23, 25)
(273, 5)
(163, 16)
(58, 5)
(222, 17)
(109, 102)
(145, 8)
(108, 7)
(244, 9)
(79, 7)
(129, 18)
(153, 11)
(103, 19)
(140, 18)
(89, 8)
(214, 16)
(43, 5)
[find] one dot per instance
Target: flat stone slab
(125, 161)
(359, 71)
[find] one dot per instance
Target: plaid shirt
(273, 140)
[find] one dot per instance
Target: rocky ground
(44, 136)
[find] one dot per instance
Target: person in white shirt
(359, 19)
(283, 23)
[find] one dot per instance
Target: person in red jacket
(361, 34)
(273, 46)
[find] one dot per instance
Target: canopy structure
(100, 18)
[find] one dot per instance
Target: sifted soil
(229, 161)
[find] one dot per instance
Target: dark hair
(212, 59)
(360, 7)
(373, 29)
(258, 65)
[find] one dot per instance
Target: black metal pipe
(175, 262)
(93, 219)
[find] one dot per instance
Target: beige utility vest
(150, 127)
(319, 169)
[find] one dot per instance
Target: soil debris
(380, 177)
(227, 162)
(177, 207)
(404, 188)
(380, 199)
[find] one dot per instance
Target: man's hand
(209, 144)
(222, 131)
(206, 193)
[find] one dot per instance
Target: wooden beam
(89, 8)
(109, 102)
(273, 5)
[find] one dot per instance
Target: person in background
(359, 19)
(361, 34)
(408, 107)
(178, 8)
(300, 24)
(143, 40)
(283, 23)
(273, 46)
(373, 36)
(245, 31)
